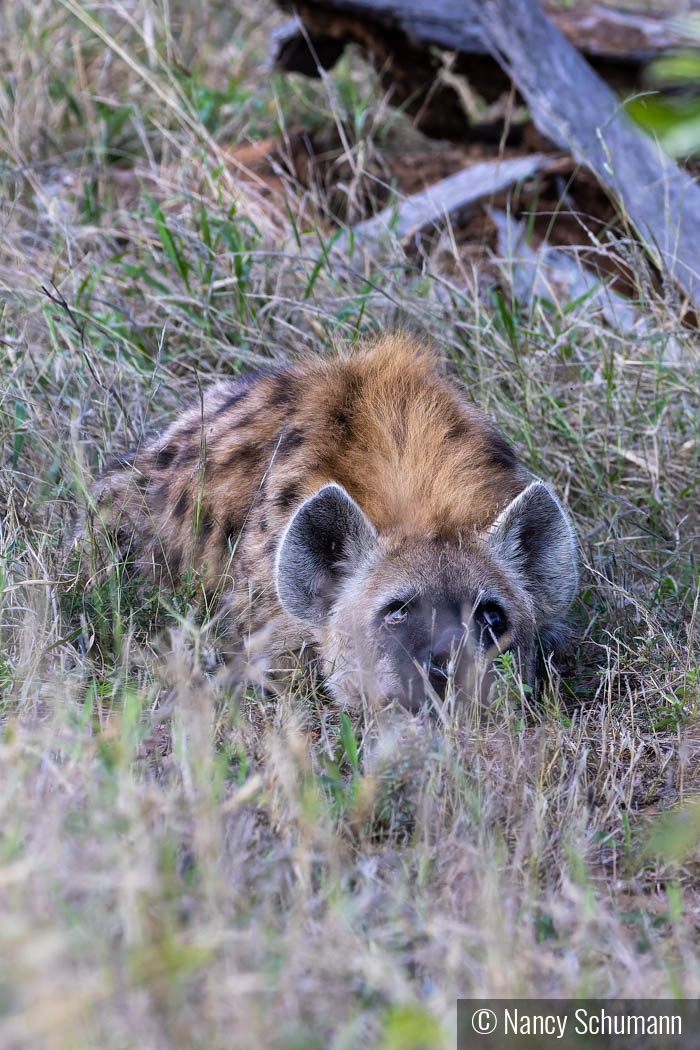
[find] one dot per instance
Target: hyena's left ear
(534, 535)
(326, 536)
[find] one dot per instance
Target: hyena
(364, 512)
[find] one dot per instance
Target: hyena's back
(216, 489)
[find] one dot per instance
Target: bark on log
(400, 35)
(445, 198)
(628, 37)
(570, 105)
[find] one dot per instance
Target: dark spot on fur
(262, 524)
(120, 461)
(232, 527)
(501, 454)
(341, 415)
(459, 430)
(231, 536)
(189, 455)
(271, 547)
(247, 455)
(290, 440)
(248, 420)
(205, 524)
(181, 505)
(341, 423)
(288, 496)
(351, 393)
(234, 398)
(283, 389)
(187, 433)
(165, 456)
(231, 531)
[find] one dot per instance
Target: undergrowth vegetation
(187, 862)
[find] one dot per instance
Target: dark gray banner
(579, 1024)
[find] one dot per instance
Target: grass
(188, 862)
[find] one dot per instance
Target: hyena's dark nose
(438, 676)
(442, 654)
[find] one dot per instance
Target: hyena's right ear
(326, 536)
(534, 536)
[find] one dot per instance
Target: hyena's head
(397, 619)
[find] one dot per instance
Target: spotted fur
(231, 487)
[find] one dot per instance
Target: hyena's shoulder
(186, 494)
(383, 421)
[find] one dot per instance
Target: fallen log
(400, 36)
(570, 105)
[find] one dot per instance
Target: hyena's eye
(395, 613)
(491, 618)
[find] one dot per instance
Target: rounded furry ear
(535, 537)
(327, 534)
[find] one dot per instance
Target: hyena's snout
(444, 661)
(429, 649)
(445, 649)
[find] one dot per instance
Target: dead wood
(570, 104)
(402, 35)
(454, 194)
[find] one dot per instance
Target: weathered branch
(570, 105)
(455, 193)
(400, 34)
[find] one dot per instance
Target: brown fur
(403, 440)
(218, 487)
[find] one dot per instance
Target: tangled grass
(185, 862)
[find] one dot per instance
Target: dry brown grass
(187, 864)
